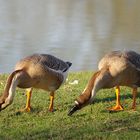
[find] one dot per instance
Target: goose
(115, 69)
(41, 71)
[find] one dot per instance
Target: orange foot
(26, 109)
(116, 108)
(133, 108)
(51, 110)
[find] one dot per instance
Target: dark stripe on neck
(85, 97)
(8, 83)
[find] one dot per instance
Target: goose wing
(133, 58)
(54, 63)
(45, 61)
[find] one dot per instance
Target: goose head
(82, 101)
(74, 108)
(87, 95)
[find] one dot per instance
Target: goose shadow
(108, 99)
(113, 98)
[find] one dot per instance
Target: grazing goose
(115, 69)
(41, 71)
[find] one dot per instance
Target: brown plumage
(41, 71)
(115, 69)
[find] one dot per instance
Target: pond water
(80, 31)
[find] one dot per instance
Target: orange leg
(28, 104)
(134, 98)
(51, 102)
(118, 105)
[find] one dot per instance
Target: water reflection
(79, 31)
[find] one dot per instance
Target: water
(80, 31)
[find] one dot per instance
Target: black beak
(73, 109)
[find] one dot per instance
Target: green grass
(93, 122)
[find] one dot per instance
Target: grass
(93, 122)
